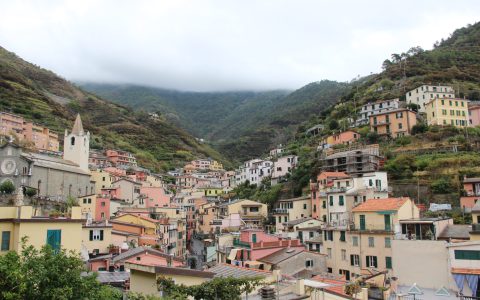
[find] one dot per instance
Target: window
(285, 218)
(309, 263)
(370, 182)
(344, 254)
(254, 209)
(342, 236)
(340, 200)
(102, 203)
(314, 208)
(355, 260)
(96, 235)
(305, 206)
(355, 241)
(5, 241)
(89, 200)
(331, 200)
(400, 125)
(388, 262)
(102, 215)
(443, 102)
(467, 254)
(279, 219)
(324, 204)
(54, 239)
(371, 241)
(371, 261)
(72, 141)
(388, 242)
(362, 222)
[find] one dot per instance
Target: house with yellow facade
(17, 222)
(96, 237)
(102, 179)
(253, 213)
(365, 245)
(291, 209)
(446, 111)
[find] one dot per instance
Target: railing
(239, 243)
(372, 227)
(475, 227)
(336, 189)
(280, 211)
(409, 297)
(468, 297)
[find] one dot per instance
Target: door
(54, 239)
(254, 238)
(386, 218)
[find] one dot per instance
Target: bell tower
(76, 145)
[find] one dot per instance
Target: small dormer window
(72, 141)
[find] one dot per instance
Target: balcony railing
(476, 228)
(280, 211)
(371, 227)
(238, 243)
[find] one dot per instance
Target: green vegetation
(43, 97)
(228, 288)
(7, 187)
(45, 274)
(241, 125)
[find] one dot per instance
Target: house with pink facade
(102, 208)
(154, 196)
(254, 244)
(474, 113)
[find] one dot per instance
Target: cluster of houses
(437, 105)
(348, 238)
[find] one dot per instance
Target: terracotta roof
(226, 270)
(334, 174)
(381, 204)
(147, 259)
(466, 271)
(337, 286)
(456, 231)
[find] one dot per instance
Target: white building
(348, 192)
(283, 166)
(374, 108)
(254, 171)
(425, 93)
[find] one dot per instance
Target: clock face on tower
(8, 166)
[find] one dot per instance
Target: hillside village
(346, 237)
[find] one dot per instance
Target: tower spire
(77, 126)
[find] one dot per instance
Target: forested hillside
(40, 95)
(241, 125)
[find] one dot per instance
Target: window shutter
(375, 262)
(351, 260)
(101, 235)
(91, 235)
(366, 260)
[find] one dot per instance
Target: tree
(333, 124)
(7, 187)
(224, 288)
(46, 274)
(30, 192)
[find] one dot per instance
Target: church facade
(53, 178)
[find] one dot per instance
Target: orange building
(393, 123)
(121, 158)
(346, 137)
(41, 137)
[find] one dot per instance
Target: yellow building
(446, 111)
(206, 214)
(102, 180)
(251, 212)
(291, 209)
(213, 191)
(143, 277)
(88, 206)
(151, 225)
(96, 237)
(17, 222)
(216, 166)
(366, 244)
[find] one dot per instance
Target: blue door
(54, 239)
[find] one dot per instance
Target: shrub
(419, 128)
(441, 186)
(7, 187)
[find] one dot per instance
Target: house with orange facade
(40, 137)
(342, 138)
(393, 123)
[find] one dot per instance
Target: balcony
(238, 243)
(337, 190)
(381, 123)
(216, 222)
(371, 228)
(280, 211)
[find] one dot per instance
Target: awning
(233, 254)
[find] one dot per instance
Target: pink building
(254, 244)
(102, 208)
(155, 196)
(474, 114)
(115, 171)
(113, 192)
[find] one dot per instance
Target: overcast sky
(223, 45)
